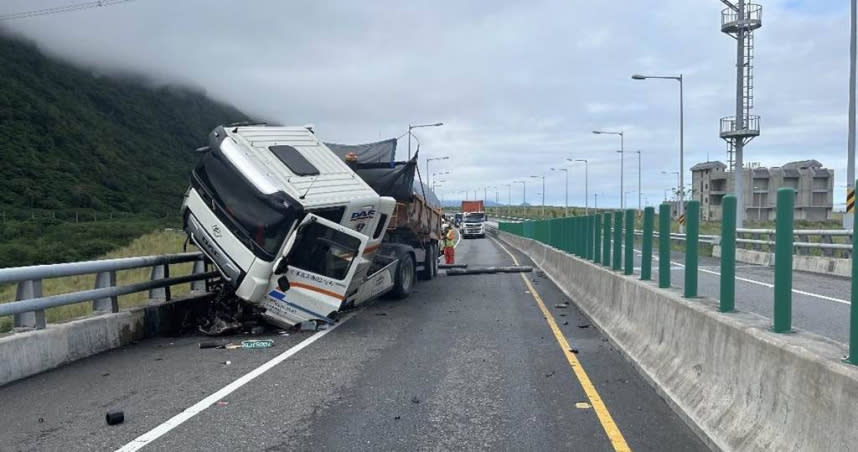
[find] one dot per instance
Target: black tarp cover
(378, 152)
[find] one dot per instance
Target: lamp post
(678, 78)
(437, 174)
(621, 151)
(596, 201)
(523, 194)
(543, 193)
(509, 199)
(678, 180)
(586, 183)
(565, 170)
(417, 126)
(431, 159)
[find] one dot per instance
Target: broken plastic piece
(114, 417)
(257, 343)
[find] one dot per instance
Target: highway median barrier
(737, 384)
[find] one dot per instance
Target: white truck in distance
(293, 230)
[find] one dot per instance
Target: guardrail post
(630, 242)
(24, 321)
(692, 236)
(853, 308)
(728, 253)
(199, 267)
(606, 250)
(646, 244)
(588, 229)
(618, 240)
(664, 246)
(783, 260)
(597, 238)
(106, 304)
(160, 293)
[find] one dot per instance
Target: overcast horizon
(519, 87)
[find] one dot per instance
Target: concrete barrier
(739, 386)
(812, 264)
(32, 352)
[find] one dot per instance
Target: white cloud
(518, 85)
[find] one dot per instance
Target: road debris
(565, 322)
(257, 343)
(257, 330)
(574, 350)
(452, 265)
(221, 403)
(561, 305)
(489, 270)
(583, 405)
(584, 325)
(549, 374)
(415, 400)
(226, 363)
(114, 417)
(205, 345)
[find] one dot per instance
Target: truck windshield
(323, 251)
(260, 221)
(474, 217)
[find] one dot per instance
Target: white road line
(760, 283)
(202, 405)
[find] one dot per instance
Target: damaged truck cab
(290, 227)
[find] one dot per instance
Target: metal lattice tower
(739, 21)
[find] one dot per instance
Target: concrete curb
(812, 264)
(32, 352)
(739, 386)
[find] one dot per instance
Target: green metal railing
(599, 238)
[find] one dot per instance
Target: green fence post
(728, 253)
(692, 235)
(597, 248)
(606, 250)
(588, 227)
(783, 260)
(646, 244)
(594, 238)
(853, 309)
(618, 240)
(630, 243)
(664, 246)
(579, 250)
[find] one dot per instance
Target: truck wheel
(404, 277)
(430, 261)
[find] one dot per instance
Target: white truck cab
(291, 228)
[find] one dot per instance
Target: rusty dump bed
(417, 218)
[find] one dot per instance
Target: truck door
(319, 266)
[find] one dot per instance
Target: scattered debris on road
(257, 343)
(549, 374)
(583, 405)
(114, 417)
(561, 305)
(221, 403)
(574, 350)
(584, 325)
(452, 265)
(415, 400)
(489, 270)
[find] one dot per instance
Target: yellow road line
(608, 424)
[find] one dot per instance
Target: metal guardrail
(29, 306)
(760, 238)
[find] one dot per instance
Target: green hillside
(88, 162)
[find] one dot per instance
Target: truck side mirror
(283, 283)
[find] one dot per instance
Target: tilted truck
(473, 219)
(295, 232)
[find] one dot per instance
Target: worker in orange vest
(449, 245)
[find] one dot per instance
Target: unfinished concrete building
(814, 186)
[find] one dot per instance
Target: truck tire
(430, 264)
(404, 282)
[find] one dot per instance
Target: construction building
(813, 184)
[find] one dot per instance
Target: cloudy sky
(518, 85)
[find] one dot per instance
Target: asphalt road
(466, 363)
(820, 303)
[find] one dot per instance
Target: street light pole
(621, 151)
(681, 136)
(596, 201)
(850, 141)
(429, 182)
(417, 126)
(543, 193)
(565, 170)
